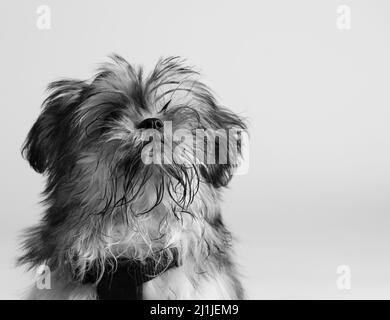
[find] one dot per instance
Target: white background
(317, 192)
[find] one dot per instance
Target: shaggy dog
(122, 220)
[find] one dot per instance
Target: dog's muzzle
(124, 282)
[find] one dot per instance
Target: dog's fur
(103, 202)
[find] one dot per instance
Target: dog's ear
(226, 144)
(48, 137)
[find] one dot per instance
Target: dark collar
(124, 282)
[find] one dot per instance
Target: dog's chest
(177, 284)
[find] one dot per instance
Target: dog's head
(99, 141)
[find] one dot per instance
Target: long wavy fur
(102, 202)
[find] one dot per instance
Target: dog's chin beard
(143, 186)
(177, 184)
(172, 173)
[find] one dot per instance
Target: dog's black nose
(151, 123)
